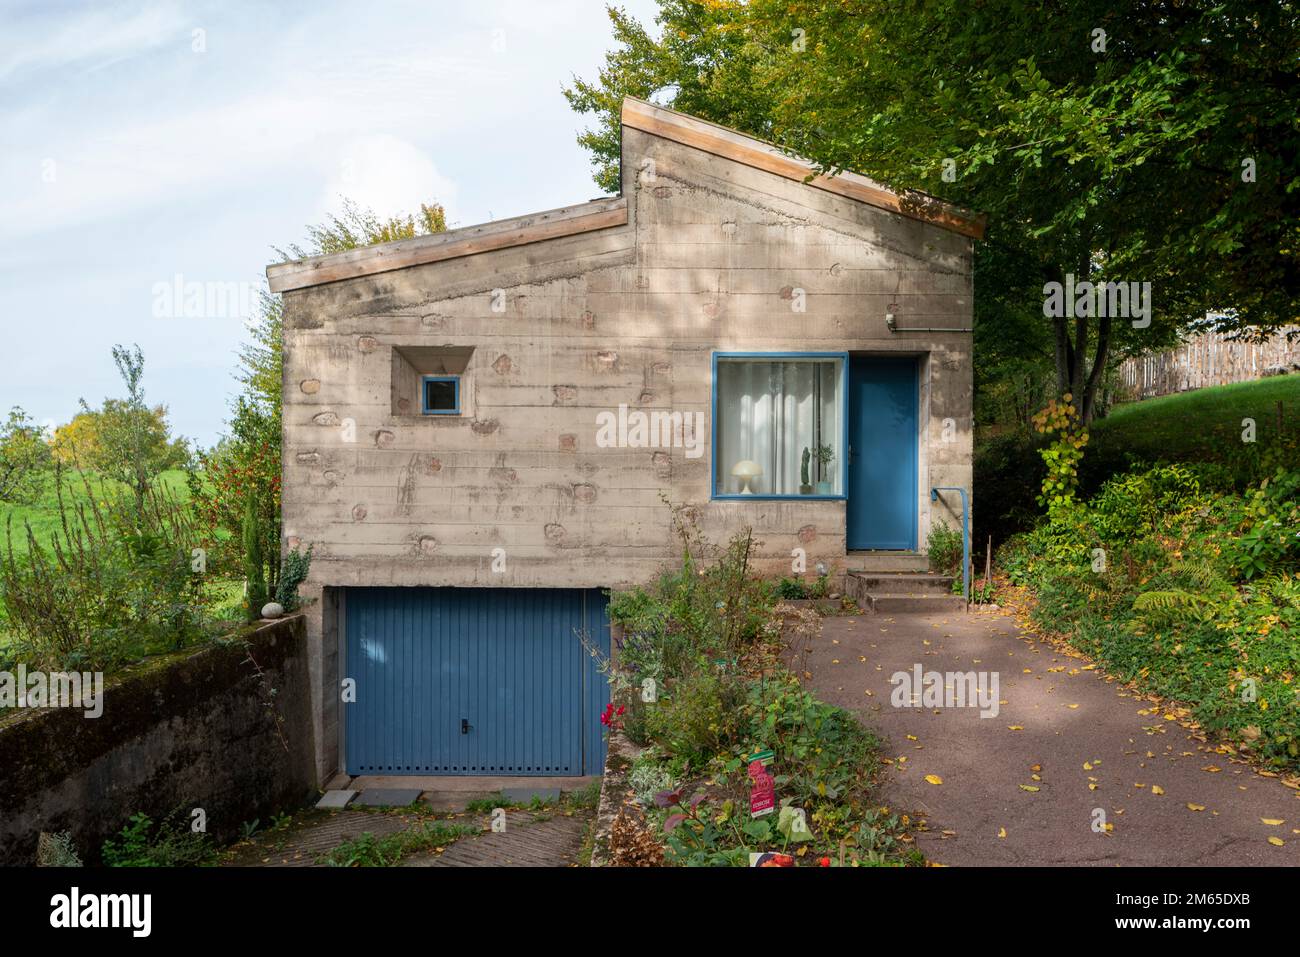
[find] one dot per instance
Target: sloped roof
(612, 211)
(727, 143)
(498, 234)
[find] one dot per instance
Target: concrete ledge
(613, 794)
(225, 727)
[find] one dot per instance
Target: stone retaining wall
(226, 728)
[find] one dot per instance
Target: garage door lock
(464, 725)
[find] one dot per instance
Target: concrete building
(480, 427)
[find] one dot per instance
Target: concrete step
(870, 561)
(904, 583)
(903, 593)
(887, 604)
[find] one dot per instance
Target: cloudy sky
(140, 142)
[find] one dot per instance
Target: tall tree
(236, 490)
(131, 443)
(24, 457)
(1111, 141)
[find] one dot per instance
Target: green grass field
(1201, 425)
(43, 517)
(43, 514)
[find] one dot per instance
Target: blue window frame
(440, 394)
(767, 408)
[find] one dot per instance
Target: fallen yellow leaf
(1157, 789)
(1002, 832)
(934, 779)
(1028, 787)
(1277, 842)
(1274, 821)
(1196, 807)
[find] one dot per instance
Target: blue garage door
(474, 681)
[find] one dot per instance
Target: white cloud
(94, 39)
(388, 175)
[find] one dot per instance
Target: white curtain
(769, 411)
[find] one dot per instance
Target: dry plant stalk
(632, 845)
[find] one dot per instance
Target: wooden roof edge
(751, 151)
(452, 244)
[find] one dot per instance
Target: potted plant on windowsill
(805, 483)
(825, 456)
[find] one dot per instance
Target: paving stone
(336, 799)
(305, 844)
(387, 797)
(526, 842)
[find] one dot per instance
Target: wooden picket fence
(1209, 359)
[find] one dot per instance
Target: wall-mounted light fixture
(891, 323)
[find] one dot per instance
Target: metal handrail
(965, 534)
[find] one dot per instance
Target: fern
(1170, 600)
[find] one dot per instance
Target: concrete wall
(198, 730)
(708, 261)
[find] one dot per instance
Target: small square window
(441, 395)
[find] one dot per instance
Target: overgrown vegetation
(371, 851)
(1177, 581)
(169, 843)
(56, 850)
(798, 589)
(25, 458)
(117, 581)
(943, 549)
(709, 638)
(1204, 426)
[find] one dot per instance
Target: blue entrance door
(883, 493)
(474, 681)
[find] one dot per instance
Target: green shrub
(254, 567)
(293, 572)
(115, 582)
(1270, 540)
(943, 548)
(799, 589)
(711, 607)
(647, 778)
(696, 717)
(168, 844)
(1194, 596)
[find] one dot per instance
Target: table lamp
(746, 471)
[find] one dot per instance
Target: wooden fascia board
(729, 144)
(553, 224)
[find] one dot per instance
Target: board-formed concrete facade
(553, 319)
